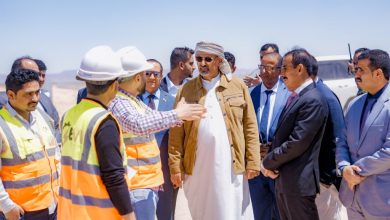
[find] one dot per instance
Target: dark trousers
(167, 202)
(36, 215)
(262, 190)
(293, 207)
(167, 198)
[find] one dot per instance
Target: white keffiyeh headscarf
(218, 50)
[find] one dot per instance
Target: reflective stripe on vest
(30, 158)
(86, 200)
(143, 161)
(18, 184)
(138, 139)
(78, 165)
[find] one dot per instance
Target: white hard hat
(100, 64)
(133, 61)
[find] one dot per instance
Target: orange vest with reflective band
(143, 155)
(82, 193)
(28, 165)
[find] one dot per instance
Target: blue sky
(60, 32)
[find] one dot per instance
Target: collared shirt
(141, 124)
(6, 204)
(46, 92)
(156, 98)
(370, 98)
(172, 88)
(303, 86)
(272, 99)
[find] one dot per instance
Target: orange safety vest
(82, 193)
(143, 155)
(29, 172)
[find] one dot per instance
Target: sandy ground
(64, 97)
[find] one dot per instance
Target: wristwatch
(339, 171)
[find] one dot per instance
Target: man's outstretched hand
(189, 112)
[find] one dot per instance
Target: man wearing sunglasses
(219, 153)
(160, 100)
(182, 67)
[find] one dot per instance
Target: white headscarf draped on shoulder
(218, 50)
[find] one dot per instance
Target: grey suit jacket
(164, 84)
(166, 102)
(370, 151)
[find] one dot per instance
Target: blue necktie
(264, 118)
(151, 102)
(367, 109)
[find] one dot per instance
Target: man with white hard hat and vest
(93, 178)
(28, 149)
(139, 123)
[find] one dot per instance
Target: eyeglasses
(150, 73)
(207, 59)
(284, 67)
(268, 68)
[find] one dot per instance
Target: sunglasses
(207, 59)
(154, 73)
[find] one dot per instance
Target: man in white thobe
(216, 155)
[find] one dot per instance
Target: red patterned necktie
(291, 98)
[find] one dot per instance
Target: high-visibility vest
(82, 192)
(28, 163)
(143, 155)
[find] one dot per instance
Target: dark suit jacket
(334, 136)
(82, 93)
(297, 142)
(3, 99)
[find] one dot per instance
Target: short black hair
(156, 61)
(301, 56)
(17, 64)
(230, 58)
(41, 65)
(180, 54)
(269, 45)
(379, 59)
(313, 71)
(18, 77)
(94, 89)
(360, 50)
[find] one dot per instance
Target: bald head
(25, 63)
(29, 65)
